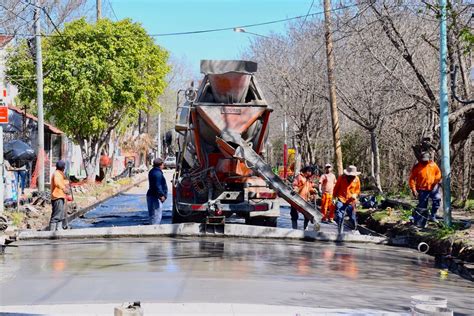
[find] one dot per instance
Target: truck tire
(176, 218)
(262, 221)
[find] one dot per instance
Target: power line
(45, 12)
(251, 25)
(112, 8)
(15, 14)
(306, 16)
(219, 29)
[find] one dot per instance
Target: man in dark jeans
(58, 196)
(157, 191)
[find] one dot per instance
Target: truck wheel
(271, 221)
(176, 218)
(262, 221)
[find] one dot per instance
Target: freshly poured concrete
(223, 270)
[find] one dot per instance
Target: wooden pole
(332, 87)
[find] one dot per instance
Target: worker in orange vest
(304, 186)
(424, 182)
(346, 192)
(58, 196)
(326, 187)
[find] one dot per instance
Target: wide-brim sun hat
(425, 157)
(351, 171)
(328, 165)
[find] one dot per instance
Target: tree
(97, 76)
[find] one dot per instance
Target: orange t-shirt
(344, 190)
(303, 186)
(424, 176)
(58, 185)
(327, 181)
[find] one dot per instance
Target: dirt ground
(29, 216)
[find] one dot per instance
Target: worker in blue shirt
(157, 191)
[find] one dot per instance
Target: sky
(168, 16)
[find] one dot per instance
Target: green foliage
(380, 215)
(470, 205)
(96, 76)
(17, 218)
(405, 214)
(468, 38)
(445, 231)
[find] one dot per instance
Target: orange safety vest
(424, 176)
(303, 186)
(344, 190)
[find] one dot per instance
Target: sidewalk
(36, 217)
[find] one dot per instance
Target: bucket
(423, 310)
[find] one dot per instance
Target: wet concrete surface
(215, 270)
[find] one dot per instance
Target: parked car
(170, 162)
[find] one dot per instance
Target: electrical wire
(307, 13)
(47, 15)
(112, 8)
(212, 30)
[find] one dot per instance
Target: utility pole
(285, 148)
(98, 9)
(2, 184)
(332, 87)
(444, 114)
(39, 96)
(285, 136)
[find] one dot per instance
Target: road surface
(213, 270)
(130, 208)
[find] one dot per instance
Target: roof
(4, 40)
(50, 127)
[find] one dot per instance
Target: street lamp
(242, 30)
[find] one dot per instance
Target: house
(57, 146)
(11, 90)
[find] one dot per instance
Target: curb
(149, 308)
(199, 230)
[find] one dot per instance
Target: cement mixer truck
(222, 129)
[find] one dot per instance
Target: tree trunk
(466, 171)
(374, 146)
(90, 157)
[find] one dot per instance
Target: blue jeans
(434, 195)
(345, 208)
(155, 209)
(21, 175)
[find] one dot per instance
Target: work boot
(53, 226)
(433, 219)
(294, 224)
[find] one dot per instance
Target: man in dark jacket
(157, 191)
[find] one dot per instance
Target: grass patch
(17, 218)
(470, 205)
(380, 215)
(405, 215)
(444, 231)
(124, 181)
